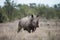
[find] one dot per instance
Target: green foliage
(11, 11)
(1, 17)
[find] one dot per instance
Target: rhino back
(25, 21)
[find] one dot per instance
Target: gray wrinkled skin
(28, 23)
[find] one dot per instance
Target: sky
(45, 2)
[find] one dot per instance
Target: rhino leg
(19, 29)
(25, 28)
(33, 29)
(29, 31)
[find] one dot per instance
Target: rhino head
(34, 22)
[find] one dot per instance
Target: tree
(9, 7)
(55, 6)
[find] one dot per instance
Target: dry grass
(47, 31)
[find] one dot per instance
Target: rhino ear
(32, 16)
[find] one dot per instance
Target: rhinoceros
(28, 23)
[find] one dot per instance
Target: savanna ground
(48, 30)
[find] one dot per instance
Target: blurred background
(15, 9)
